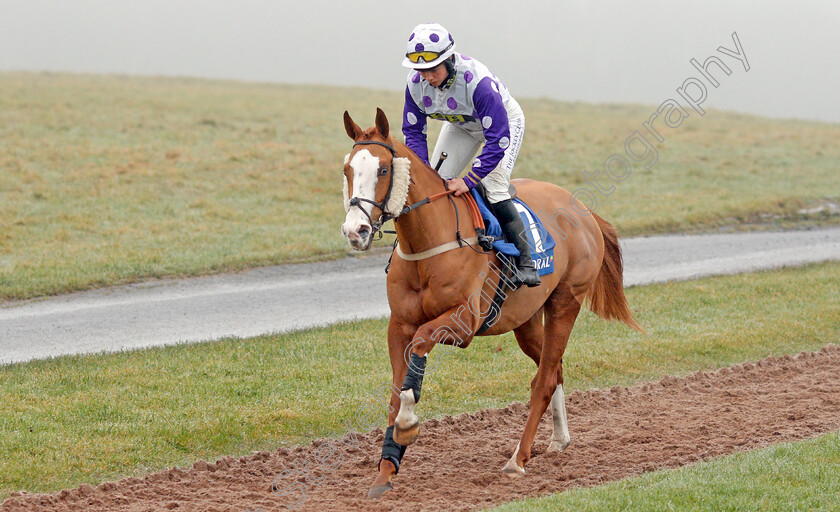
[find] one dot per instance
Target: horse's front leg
(449, 328)
(408, 362)
(399, 336)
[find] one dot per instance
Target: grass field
(89, 419)
(112, 179)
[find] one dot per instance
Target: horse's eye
(383, 171)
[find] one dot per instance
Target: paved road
(283, 298)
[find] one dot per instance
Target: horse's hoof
(408, 435)
(513, 470)
(557, 446)
(377, 491)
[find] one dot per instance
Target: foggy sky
(595, 51)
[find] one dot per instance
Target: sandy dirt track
(456, 463)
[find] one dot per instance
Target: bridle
(356, 201)
(386, 215)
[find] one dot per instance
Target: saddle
(540, 240)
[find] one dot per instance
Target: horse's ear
(382, 123)
(353, 130)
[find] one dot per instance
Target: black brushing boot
(514, 231)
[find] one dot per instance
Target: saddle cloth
(539, 239)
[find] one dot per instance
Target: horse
(441, 286)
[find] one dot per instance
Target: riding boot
(514, 230)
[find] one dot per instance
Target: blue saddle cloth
(539, 239)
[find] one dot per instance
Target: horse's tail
(606, 297)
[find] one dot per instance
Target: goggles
(426, 56)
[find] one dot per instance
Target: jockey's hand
(458, 185)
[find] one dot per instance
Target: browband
(390, 148)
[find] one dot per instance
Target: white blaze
(365, 167)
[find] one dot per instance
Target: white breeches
(462, 146)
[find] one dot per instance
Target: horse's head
(375, 181)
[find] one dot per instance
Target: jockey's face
(434, 76)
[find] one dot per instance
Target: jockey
(477, 108)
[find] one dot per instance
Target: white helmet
(429, 45)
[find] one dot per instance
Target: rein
(478, 223)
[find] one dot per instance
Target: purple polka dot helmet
(428, 45)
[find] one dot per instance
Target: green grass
(112, 179)
(82, 419)
(783, 477)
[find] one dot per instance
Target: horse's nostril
(364, 231)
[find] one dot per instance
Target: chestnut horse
(440, 290)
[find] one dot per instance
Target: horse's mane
(403, 150)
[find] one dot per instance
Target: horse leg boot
(392, 454)
(514, 230)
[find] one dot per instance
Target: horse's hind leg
(561, 311)
(530, 337)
